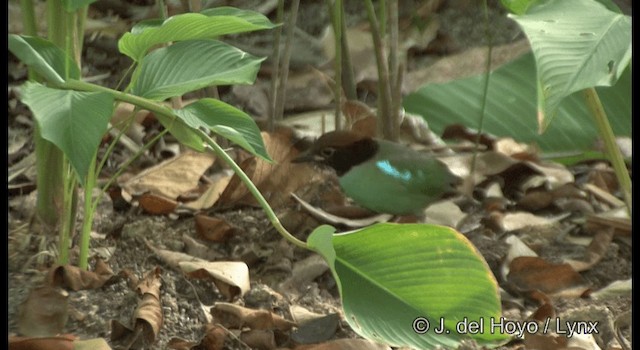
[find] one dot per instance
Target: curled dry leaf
(62, 342)
(528, 273)
(313, 327)
(147, 318)
(172, 177)
(235, 317)
(230, 277)
(44, 313)
(75, 278)
(337, 220)
(519, 220)
(259, 339)
(214, 229)
(595, 251)
(170, 257)
(304, 272)
(214, 339)
(156, 204)
(275, 181)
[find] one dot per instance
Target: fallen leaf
(613, 290)
(275, 181)
(214, 229)
(314, 329)
(62, 342)
(170, 257)
(235, 317)
(259, 339)
(528, 273)
(44, 312)
(75, 278)
(519, 220)
(231, 277)
(595, 251)
(172, 177)
(156, 204)
(147, 318)
(211, 195)
(304, 272)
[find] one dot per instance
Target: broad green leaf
(517, 6)
(391, 275)
(577, 44)
(181, 131)
(190, 65)
(191, 26)
(44, 57)
(226, 121)
(511, 108)
(72, 120)
(73, 5)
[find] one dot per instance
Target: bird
(382, 176)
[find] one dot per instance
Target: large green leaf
(511, 108)
(191, 65)
(393, 277)
(44, 57)
(189, 26)
(226, 121)
(577, 44)
(72, 120)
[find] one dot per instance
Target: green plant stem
(165, 111)
(395, 77)
(87, 221)
(286, 58)
(348, 78)
(384, 93)
(485, 89)
(337, 30)
(275, 75)
(254, 191)
(65, 232)
(611, 148)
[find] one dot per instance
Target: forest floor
(137, 244)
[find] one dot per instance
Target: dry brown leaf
(44, 313)
(550, 341)
(275, 181)
(530, 273)
(231, 277)
(214, 339)
(75, 278)
(62, 342)
(614, 290)
(170, 257)
(345, 344)
(313, 328)
(519, 220)
(199, 250)
(259, 339)
(595, 251)
(214, 229)
(172, 177)
(147, 318)
(235, 317)
(211, 195)
(304, 272)
(156, 204)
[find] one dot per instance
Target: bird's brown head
(340, 150)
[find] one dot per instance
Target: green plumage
(397, 180)
(380, 175)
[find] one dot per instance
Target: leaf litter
(557, 263)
